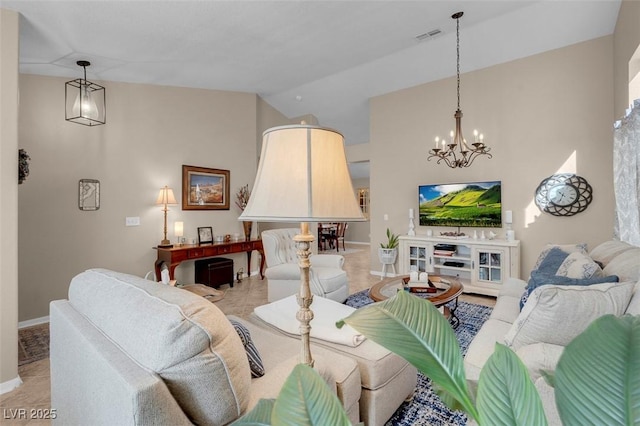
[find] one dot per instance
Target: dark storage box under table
(214, 271)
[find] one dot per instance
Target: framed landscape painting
(205, 189)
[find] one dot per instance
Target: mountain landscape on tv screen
(473, 205)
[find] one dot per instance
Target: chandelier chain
(458, 56)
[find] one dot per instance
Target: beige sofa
(128, 351)
(554, 314)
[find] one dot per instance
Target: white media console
(482, 265)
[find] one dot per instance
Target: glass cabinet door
(418, 259)
(489, 265)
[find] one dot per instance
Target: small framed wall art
(205, 189)
(205, 235)
(89, 194)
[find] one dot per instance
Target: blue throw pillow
(552, 261)
(546, 274)
(542, 279)
(539, 278)
(255, 361)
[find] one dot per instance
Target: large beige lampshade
(302, 177)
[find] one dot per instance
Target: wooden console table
(175, 255)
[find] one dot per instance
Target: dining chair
(326, 233)
(336, 236)
(340, 232)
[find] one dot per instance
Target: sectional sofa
(539, 328)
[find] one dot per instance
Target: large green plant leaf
(506, 394)
(414, 329)
(305, 399)
(259, 416)
(597, 380)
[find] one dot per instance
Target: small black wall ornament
(23, 165)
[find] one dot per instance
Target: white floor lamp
(303, 177)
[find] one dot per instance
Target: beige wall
(267, 117)
(151, 132)
(8, 200)
(357, 152)
(626, 41)
(541, 115)
(358, 231)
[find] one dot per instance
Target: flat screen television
(473, 204)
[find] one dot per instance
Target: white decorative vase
(387, 256)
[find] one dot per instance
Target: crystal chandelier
(456, 153)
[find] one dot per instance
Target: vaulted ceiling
(325, 58)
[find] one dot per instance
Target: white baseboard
(10, 385)
(358, 242)
(32, 322)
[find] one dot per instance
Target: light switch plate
(132, 221)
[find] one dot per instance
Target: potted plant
(505, 395)
(388, 252)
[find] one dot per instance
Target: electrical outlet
(386, 217)
(132, 221)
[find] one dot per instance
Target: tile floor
(239, 300)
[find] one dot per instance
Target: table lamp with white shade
(165, 198)
(303, 177)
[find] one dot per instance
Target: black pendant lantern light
(84, 100)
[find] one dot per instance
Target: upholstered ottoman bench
(273, 345)
(387, 379)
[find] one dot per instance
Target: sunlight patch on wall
(634, 88)
(634, 76)
(532, 212)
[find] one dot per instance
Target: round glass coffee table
(445, 289)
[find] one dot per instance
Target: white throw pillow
(579, 265)
(634, 304)
(556, 314)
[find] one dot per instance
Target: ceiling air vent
(428, 35)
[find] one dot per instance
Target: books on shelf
(444, 249)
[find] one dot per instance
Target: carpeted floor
(33, 343)
(426, 408)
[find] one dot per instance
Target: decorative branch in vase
(242, 198)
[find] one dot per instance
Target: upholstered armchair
(326, 276)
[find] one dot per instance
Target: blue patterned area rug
(426, 408)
